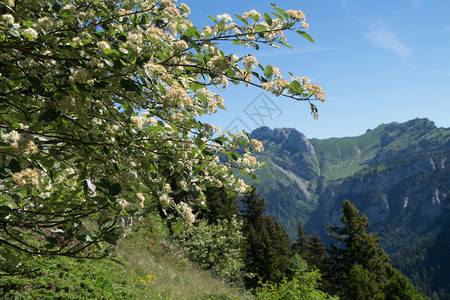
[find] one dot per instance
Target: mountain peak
(279, 135)
(292, 140)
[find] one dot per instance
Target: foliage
(427, 262)
(215, 247)
(220, 205)
(311, 249)
(71, 279)
(98, 105)
(143, 267)
(358, 268)
(266, 248)
(303, 286)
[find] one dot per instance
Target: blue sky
(378, 62)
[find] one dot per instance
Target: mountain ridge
(398, 174)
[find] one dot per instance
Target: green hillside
(343, 157)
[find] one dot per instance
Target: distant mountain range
(397, 174)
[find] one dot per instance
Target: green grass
(343, 157)
(143, 267)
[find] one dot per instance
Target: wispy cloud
(432, 70)
(298, 51)
(384, 37)
(345, 3)
(416, 3)
(447, 28)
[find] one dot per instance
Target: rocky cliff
(395, 174)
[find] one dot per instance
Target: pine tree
(220, 205)
(310, 248)
(267, 249)
(358, 267)
(316, 253)
(253, 208)
(299, 246)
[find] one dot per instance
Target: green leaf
(49, 115)
(129, 85)
(107, 224)
(178, 227)
(115, 189)
(260, 28)
(253, 176)
(111, 238)
(192, 32)
(268, 72)
(278, 16)
(281, 12)
(286, 44)
(241, 19)
(110, 51)
(268, 19)
(101, 84)
(295, 87)
(35, 82)
(196, 86)
(213, 19)
(4, 211)
(14, 166)
(306, 36)
(254, 45)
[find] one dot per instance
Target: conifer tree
(267, 249)
(220, 205)
(316, 253)
(310, 248)
(358, 267)
(299, 245)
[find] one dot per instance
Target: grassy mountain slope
(343, 157)
(143, 266)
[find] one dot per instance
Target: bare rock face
(290, 139)
(297, 142)
(378, 209)
(291, 148)
(385, 180)
(431, 208)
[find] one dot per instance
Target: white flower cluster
(275, 86)
(315, 89)
(298, 15)
(30, 33)
(28, 176)
(213, 99)
(103, 45)
(250, 61)
(257, 145)
(187, 213)
(8, 19)
(21, 144)
(252, 14)
(141, 199)
(163, 196)
(241, 186)
(225, 17)
(217, 64)
(139, 121)
(177, 96)
(248, 160)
